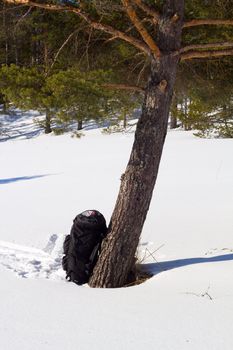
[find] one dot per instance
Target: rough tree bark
(137, 183)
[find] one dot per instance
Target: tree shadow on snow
(17, 124)
(25, 135)
(22, 178)
(158, 267)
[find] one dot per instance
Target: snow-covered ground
(187, 243)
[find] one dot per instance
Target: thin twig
(87, 48)
(13, 8)
(150, 253)
(22, 18)
(62, 46)
(201, 294)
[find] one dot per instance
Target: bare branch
(140, 28)
(116, 33)
(210, 46)
(22, 18)
(61, 47)
(96, 25)
(202, 22)
(87, 48)
(206, 54)
(12, 8)
(52, 7)
(124, 87)
(147, 9)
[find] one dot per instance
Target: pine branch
(53, 7)
(140, 28)
(115, 33)
(94, 24)
(206, 54)
(201, 22)
(147, 9)
(124, 87)
(210, 46)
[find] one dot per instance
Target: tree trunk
(80, 124)
(173, 122)
(173, 117)
(6, 43)
(125, 120)
(187, 126)
(48, 129)
(46, 58)
(5, 107)
(137, 183)
(16, 48)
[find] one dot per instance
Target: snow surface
(186, 242)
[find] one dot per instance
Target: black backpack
(82, 246)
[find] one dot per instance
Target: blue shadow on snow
(26, 135)
(22, 178)
(156, 268)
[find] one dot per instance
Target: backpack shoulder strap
(93, 258)
(66, 244)
(95, 252)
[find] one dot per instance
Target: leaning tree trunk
(137, 183)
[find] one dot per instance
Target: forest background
(56, 63)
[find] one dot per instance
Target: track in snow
(29, 262)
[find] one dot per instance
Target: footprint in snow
(29, 262)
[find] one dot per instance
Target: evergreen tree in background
(32, 37)
(204, 103)
(27, 89)
(65, 96)
(58, 54)
(80, 95)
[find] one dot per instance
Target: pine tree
(26, 88)
(80, 95)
